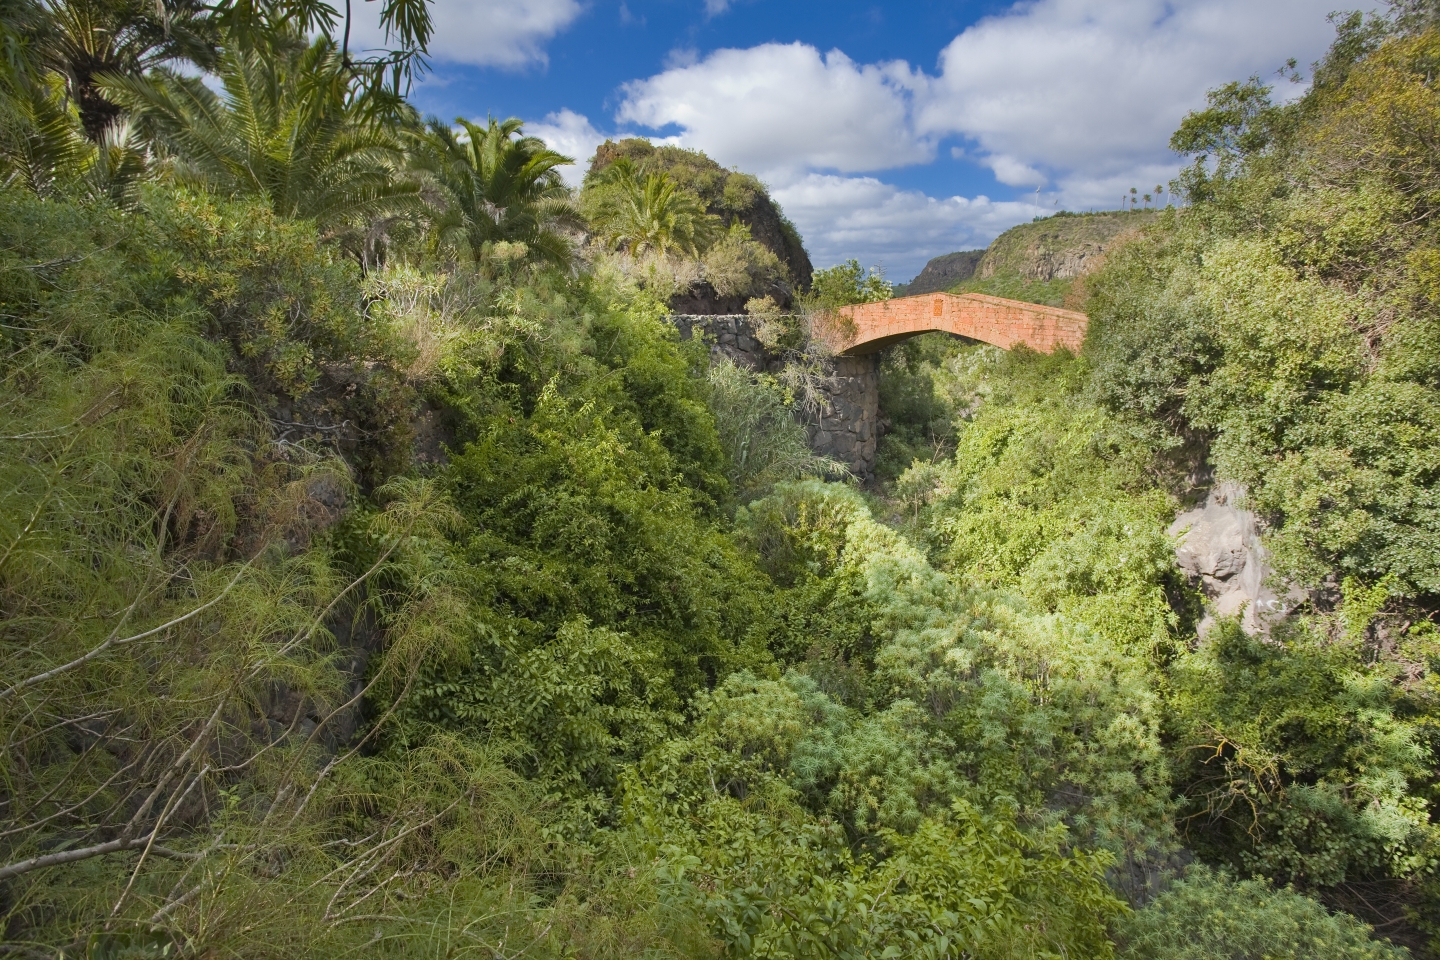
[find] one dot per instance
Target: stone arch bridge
(850, 431)
(868, 327)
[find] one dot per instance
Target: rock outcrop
(1220, 550)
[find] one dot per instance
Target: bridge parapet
(867, 327)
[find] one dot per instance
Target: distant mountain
(942, 273)
(1061, 247)
(1038, 261)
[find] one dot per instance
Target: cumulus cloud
(573, 135)
(780, 108)
(1066, 86)
(1097, 85)
(877, 223)
(1077, 97)
(488, 33)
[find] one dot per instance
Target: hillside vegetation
(1041, 261)
(381, 574)
(754, 249)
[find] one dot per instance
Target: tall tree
(289, 127)
(497, 186)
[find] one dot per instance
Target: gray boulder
(1219, 549)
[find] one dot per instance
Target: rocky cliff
(1061, 247)
(942, 273)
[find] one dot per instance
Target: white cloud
(571, 134)
(1075, 96)
(1083, 192)
(713, 8)
(861, 217)
(489, 33)
(784, 108)
(1097, 85)
(1014, 173)
(681, 57)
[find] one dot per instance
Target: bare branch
(85, 853)
(112, 641)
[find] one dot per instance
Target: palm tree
(40, 140)
(288, 128)
(42, 143)
(651, 213)
(497, 186)
(86, 40)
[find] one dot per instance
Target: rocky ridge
(942, 273)
(1061, 247)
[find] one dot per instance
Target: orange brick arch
(866, 327)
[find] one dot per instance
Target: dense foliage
(1281, 332)
(380, 572)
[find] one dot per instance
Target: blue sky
(891, 132)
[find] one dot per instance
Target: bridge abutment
(848, 431)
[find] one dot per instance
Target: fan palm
(288, 128)
(497, 186)
(42, 144)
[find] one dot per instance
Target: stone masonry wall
(849, 430)
(731, 336)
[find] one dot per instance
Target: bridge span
(868, 327)
(849, 430)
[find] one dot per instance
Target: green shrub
(1208, 916)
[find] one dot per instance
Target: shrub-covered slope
(728, 194)
(375, 577)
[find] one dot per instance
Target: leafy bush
(848, 283)
(765, 444)
(1279, 332)
(1208, 915)
(1297, 758)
